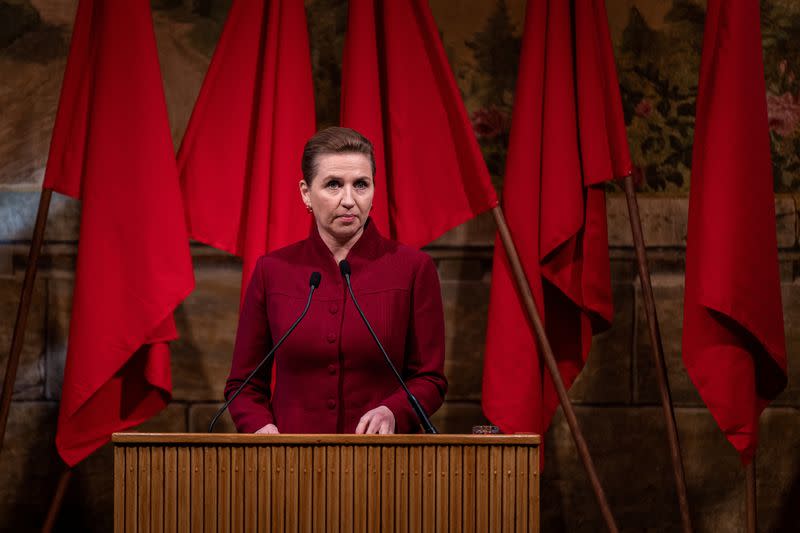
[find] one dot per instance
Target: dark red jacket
(329, 372)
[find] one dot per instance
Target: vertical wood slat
(495, 488)
(184, 488)
(521, 499)
(333, 481)
(264, 486)
(533, 488)
(210, 487)
(508, 481)
(388, 489)
(292, 489)
(402, 485)
(196, 496)
(170, 489)
(482, 476)
(250, 488)
(119, 489)
(428, 488)
(455, 490)
(131, 488)
(143, 513)
(157, 489)
(223, 489)
(346, 490)
(442, 473)
(278, 488)
(374, 494)
(360, 508)
(415, 474)
(305, 490)
(468, 506)
(237, 488)
(318, 491)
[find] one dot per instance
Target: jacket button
(331, 337)
(331, 403)
(331, 369)
(333, 309)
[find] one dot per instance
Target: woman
(330, 376)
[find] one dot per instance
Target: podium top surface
(237, 439)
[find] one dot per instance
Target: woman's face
(340, 194)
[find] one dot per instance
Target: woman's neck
(338, 248)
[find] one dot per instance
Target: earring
(308, 207)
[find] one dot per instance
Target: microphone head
(316, 277)
(344, 266)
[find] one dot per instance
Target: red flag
(733, 340)
(567, 139)
(399, 91)
(240, 158)
(111, 149)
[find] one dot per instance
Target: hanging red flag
(240, 158)
(111, 149)
(734, 347)
(567, 139)
(399, 91)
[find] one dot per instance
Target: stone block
(631, 455)
(465, 267)
(207, 321)
(664, 220)
(786, 220)
(606, 378)
(18, 216)
(458, 417)
(778, 470)
(465, 312)
(59, 308)
(200, 415)
(790, 296)
(30, 380)
(29, 465)
(668, 294)
(172, 419)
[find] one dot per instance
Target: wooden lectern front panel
(214, 483)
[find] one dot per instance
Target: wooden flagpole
(550, 361)
(658, 353)
(17, 340)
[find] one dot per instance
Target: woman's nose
(347, 198)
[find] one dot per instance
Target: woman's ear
(304, 193)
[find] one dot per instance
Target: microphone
(316, 277)
(344, 267)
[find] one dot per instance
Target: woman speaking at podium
(330, 376)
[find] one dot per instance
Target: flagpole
(750, 475)
(17, 340)
(58, 499)
(658, 353)
(530, 306)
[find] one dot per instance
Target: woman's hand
(377, 421)
(269, 429)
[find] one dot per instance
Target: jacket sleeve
(250, 410)
(423, 369)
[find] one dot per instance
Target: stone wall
(615, 396)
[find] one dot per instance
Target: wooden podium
(229, 482)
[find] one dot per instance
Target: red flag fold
(734, 347)
(111, 148)
(399, 91)
(567, 139)
(240, 158)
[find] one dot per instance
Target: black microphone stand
(316, 277)
(344, 267)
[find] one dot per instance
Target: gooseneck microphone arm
(316, 277)
(344, 267)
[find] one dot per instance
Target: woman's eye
(361, 184)
(332, 185)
